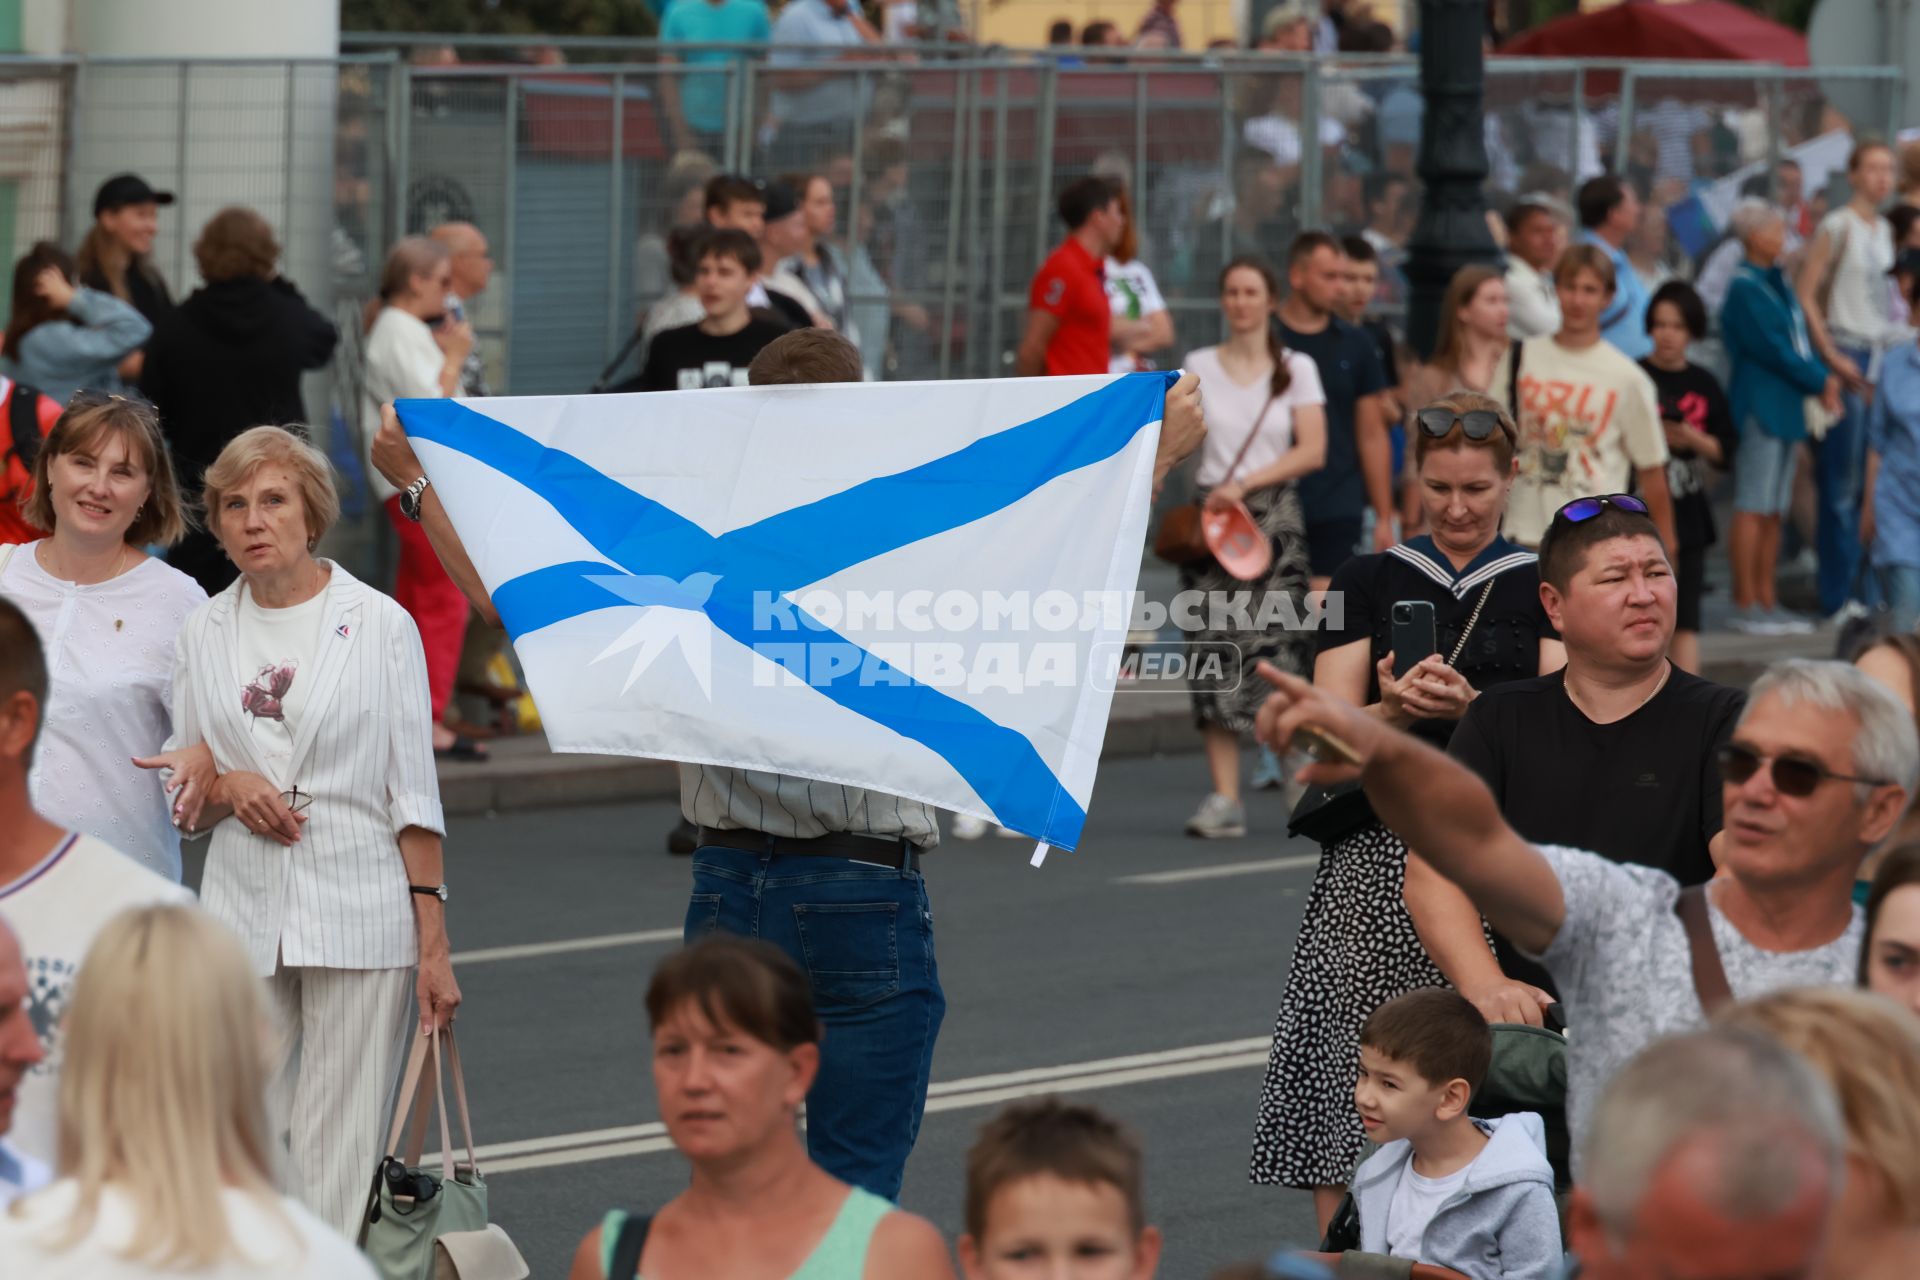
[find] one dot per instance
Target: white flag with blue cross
(917, 588)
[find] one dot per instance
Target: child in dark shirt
(716, 351)
(1698, 420)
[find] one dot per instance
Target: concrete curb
(524, 775)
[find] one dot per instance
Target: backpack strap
(628, 1246)
(1709, 976)
(23, 421)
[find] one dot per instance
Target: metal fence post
(1136, 177)
(1227, 183)
(957, 178)
(1313, 205)
(286, 152)
(1043, 173)
(997, 241)
(1896, 88)
(740, 151)
(1775, 98)
(180, 162)
(1579, 123)
(400, 120)
(1623, 130)
(976, 200)
(71, 197)
(616, 171)
(510, 255)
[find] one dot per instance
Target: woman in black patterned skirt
(1266, 427)
(1357, 947)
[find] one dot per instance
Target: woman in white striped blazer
(309, 692)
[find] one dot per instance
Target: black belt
(899, 853)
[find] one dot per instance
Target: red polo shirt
(1071, 285)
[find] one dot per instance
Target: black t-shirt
(1349, 369)
(1383, 346)
(1694, 396)
(687, 358)
(1505, 644)
(1644, 790)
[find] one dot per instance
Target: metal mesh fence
(944, 168)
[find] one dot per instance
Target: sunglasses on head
(1587, 508)
(1790, 777)
(1475, 424)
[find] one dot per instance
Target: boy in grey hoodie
(1444, 1188)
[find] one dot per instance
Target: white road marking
(949, 1095)
(528, 951)
(1223, 870)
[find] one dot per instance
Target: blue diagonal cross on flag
(905, 587)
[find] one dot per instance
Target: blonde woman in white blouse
(305, 691)
(108, 615)
(165, 1155)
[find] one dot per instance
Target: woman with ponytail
(1266, 427)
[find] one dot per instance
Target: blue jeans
(1900, 583)
(864, 935)
(1840, 468)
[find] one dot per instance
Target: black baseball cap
(124, 189)
(782, 200)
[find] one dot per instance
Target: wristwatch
(430, 891)
(410, 499)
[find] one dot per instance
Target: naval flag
(918, 588)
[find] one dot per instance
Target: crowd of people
(1715, 891)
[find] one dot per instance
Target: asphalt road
(1140, 972)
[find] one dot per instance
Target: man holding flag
(828, 872)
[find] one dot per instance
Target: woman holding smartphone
(1357, 947)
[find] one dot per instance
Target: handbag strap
(1513, 380)
(1251, 436)
(460, 1096)
(406, 1101)
(1453, 659)
(413, 1103)
(6, 556)
(1709, 975)
(629, 1245)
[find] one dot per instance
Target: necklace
(119, 566)
(1660, 684)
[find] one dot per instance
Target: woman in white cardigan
(317, 782)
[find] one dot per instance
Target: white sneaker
(1847, 613)
(968, 827)
(1751, 621)
(1788, 623)
(1218, 818)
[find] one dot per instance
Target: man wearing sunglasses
(1817, 773)
(1630, 774)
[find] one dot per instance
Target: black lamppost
(1452, 231)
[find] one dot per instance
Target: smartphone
(1413, 634)
(1323, 746)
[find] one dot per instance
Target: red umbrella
(1698, 30)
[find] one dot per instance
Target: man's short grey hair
(1749, 216)
(1886, 747)
(1763, 1107)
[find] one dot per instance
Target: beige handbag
(477, 1255)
